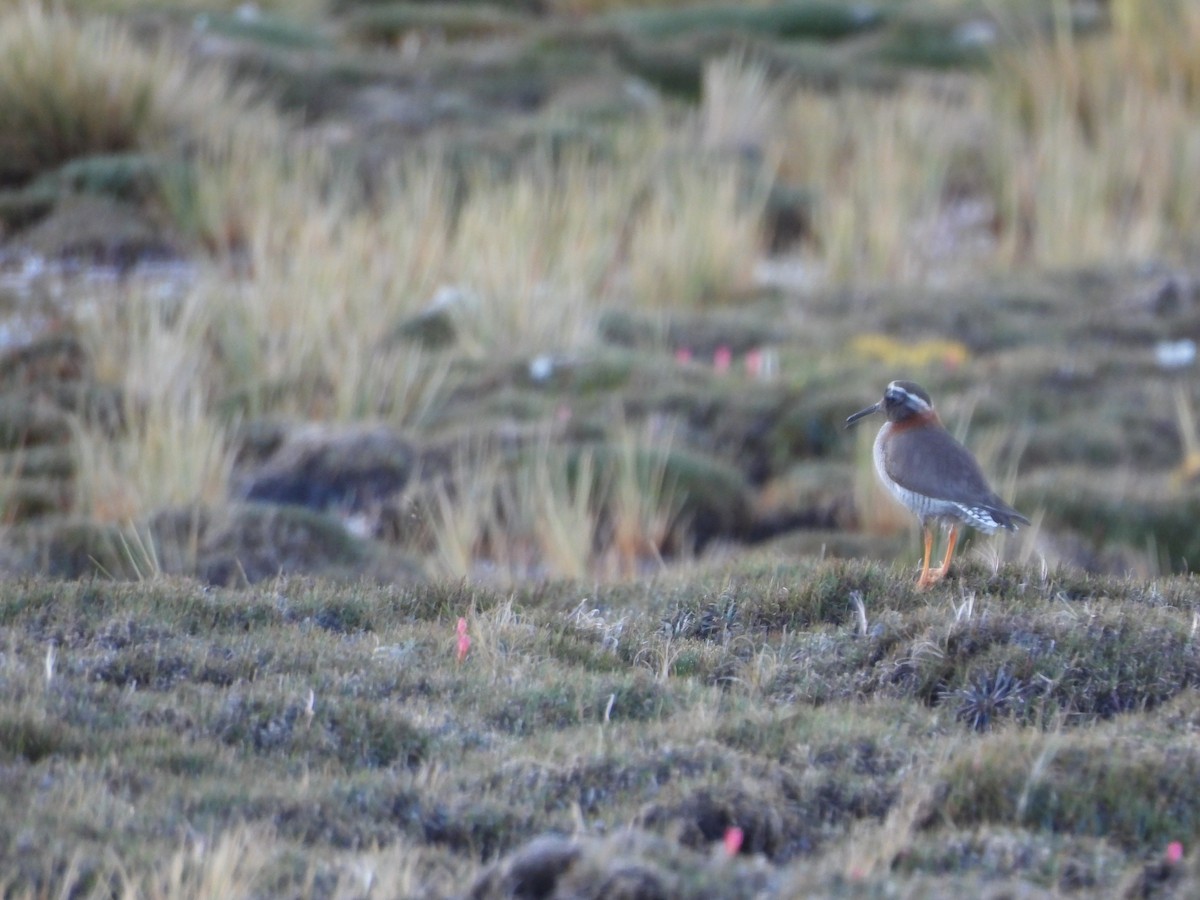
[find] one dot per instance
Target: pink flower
(722, 358)
(754, 363)
(683, 355)
(464, 639)
(733, 840)
(1174, 852)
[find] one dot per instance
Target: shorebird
(931, 474)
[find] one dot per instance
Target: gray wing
(936, 465)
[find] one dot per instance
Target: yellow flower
(910, 354)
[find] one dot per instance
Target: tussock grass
(1087, 185)
(697, 237)
(697, 232)
(519, 264)
(306, 332)
(79, 86)
(1044, 161)
(531, 254)
(603, 511)
(739, 105)
(882, 167)
(566, 504)
(173, 449)
(642, 504)
(244, 168)
(462, 519)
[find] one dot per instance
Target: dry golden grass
(606, 514)
(530, 254)
(564, 511)
(740, 105)
(1100, 139)
(461, 519)
(231, 864)
(306, 330)
(525, 261)
(174, 450)
(696, 238)
(881, 166)
(1159, 42)
(236, 862)
(1074, 150)
(643, 502)
(237, 173)
(75, 87)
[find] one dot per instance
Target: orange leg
(933, 576)
(950, 544)
(925, 579)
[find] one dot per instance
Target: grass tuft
(74, 86)
(174, 450)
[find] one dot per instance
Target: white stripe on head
(909, 395)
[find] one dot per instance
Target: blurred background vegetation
(543, 317)
(429, 276)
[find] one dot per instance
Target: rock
(132, 177)
(531, 872)
(93, 229)
(252, 543)
(352, 468)
(432, 329)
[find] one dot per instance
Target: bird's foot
(930, 577)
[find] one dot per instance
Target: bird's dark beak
(863, 413)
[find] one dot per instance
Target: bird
(931, 474)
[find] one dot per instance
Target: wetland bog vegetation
(329, 325)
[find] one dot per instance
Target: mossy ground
(1016, 729)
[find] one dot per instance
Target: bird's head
(901, 400)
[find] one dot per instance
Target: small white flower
(977, 33)
(1175, 354)
(541, 367)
